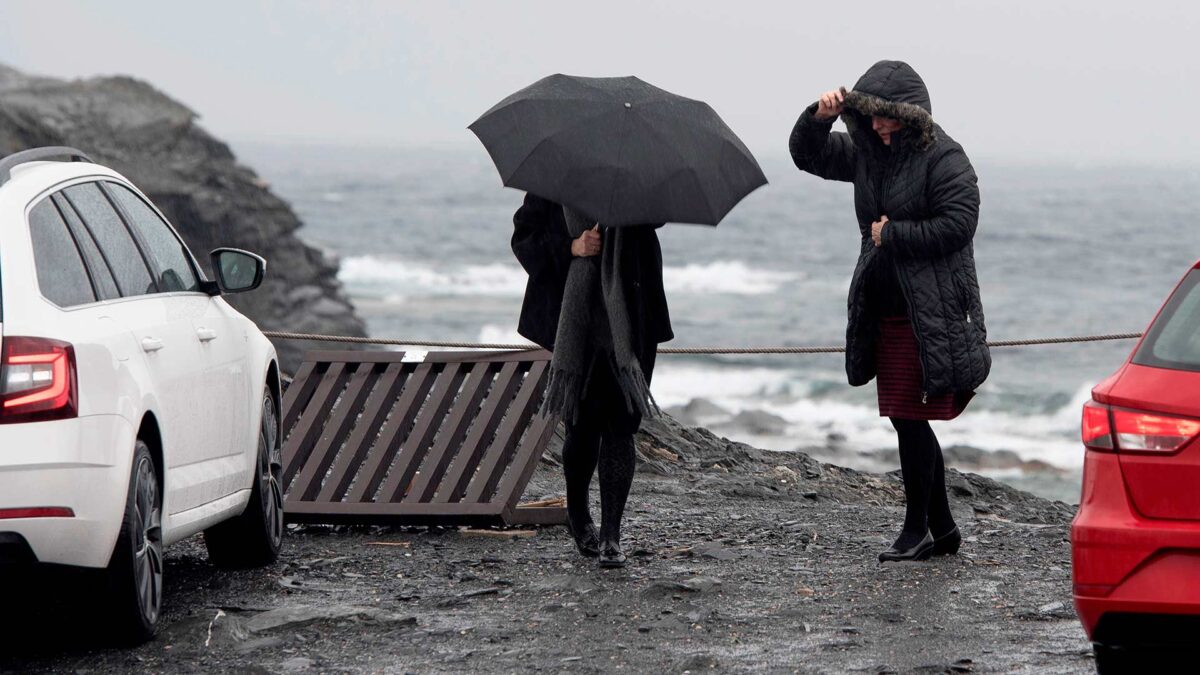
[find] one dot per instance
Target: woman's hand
(830, 104)
(588, 243)
(877, 230)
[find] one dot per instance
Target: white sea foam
(414, 278)
(725, 276)
(407, 277)
(1052, 438)
(508, 335)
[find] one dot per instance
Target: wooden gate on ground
(449, 440)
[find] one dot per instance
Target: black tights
(926, 505)
(584, 449)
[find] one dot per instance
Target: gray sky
(1099, 80)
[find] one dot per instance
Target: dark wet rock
(303, 615)
(297, 664)
(687, 586)
(566, 583)
(697, 411)
(758, 422)
(197, 182)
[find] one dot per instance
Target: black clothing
(925, 185)
(927, 509)
(543, 247)
(602, 436)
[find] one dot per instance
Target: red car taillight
(1097, 429)
(1147, 432)
(1134, 430)
(38, 380)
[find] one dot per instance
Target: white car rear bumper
(82, 464)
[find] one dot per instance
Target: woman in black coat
(915, 317)
(603, 432)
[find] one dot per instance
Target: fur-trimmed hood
(891, 89)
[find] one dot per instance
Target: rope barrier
(675, 350)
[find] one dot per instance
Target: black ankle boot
(948, 543)
(611, 555)
(587, 539)
(920, 551)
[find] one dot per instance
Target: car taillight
(1097, 430)
(38, 380)
(1147, 432)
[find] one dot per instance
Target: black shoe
(921, 551)
(611, 555)
(948, 543)
(587, 539)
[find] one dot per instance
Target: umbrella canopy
(619, 150)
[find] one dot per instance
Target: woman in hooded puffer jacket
(915, 319)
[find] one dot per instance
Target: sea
(422, 235)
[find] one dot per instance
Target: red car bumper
(1128, 568)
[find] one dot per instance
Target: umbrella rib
(612, 197)
(684, 164)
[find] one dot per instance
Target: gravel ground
(741, 561)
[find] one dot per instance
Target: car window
(61, 274)
(1174, 339)
(175, 269)
(122, 254)
(102, 278)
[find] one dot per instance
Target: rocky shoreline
(743, 560)
(195, 179)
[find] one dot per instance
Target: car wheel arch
(150, 433)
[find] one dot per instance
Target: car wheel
(255, 537)
(1112, 660)
(135, 572)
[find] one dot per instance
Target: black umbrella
(619, 150)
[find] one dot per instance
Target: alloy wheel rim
(270, 470)
(148, 557)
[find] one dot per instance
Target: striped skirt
(899, 378)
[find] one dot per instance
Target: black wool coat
(543, 247)
(927, 188)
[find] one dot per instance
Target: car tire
(254, 538)
(133, 578)
(1113, 660)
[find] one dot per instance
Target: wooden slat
(491, 357)
(334, 431)
(541, 515)
(353, 356)
(463, 467)
(374, 413)
(525, 461)
(300, 442)
(417, 444)
(380, 459)
(496, 457)
(451, 433)
(297, 395)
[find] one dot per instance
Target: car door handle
(206, 334)
(150, 344)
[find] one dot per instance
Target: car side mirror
(237, 271)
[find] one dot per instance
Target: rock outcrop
(195, 179)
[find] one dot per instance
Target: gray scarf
(594, 330)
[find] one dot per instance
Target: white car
(137, 407)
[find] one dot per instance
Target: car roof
(30, 179)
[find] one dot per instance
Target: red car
(1136, 538)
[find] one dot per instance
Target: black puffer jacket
(926, 186)
(543, 247)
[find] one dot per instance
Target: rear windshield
(1174, 339)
